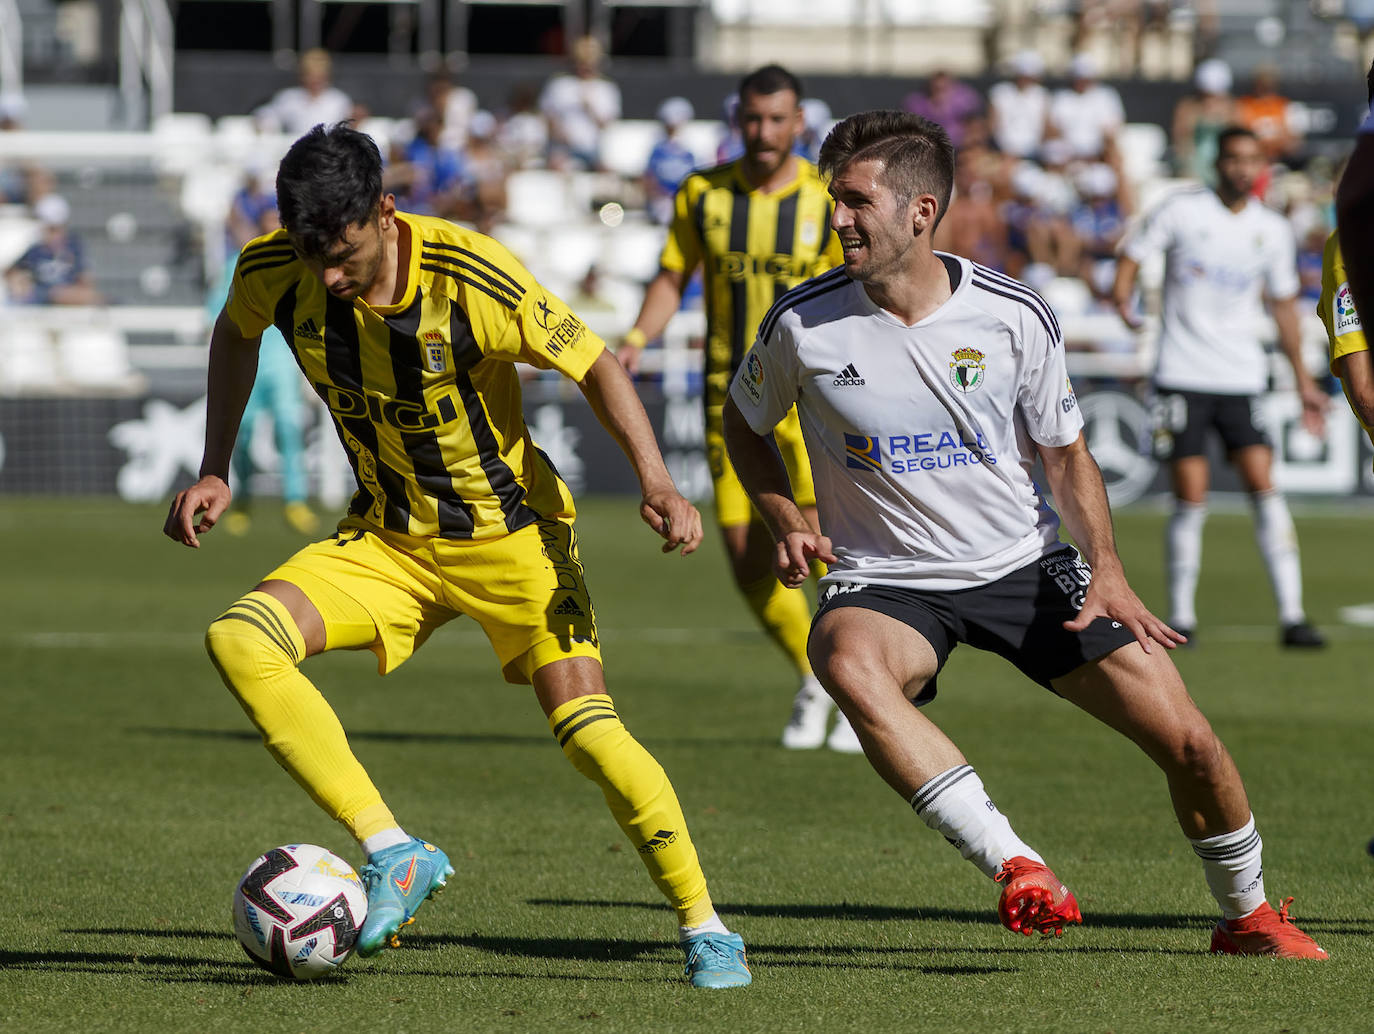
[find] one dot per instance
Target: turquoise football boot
(398, 880)
(717, 960)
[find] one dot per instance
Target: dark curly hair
(330, 180)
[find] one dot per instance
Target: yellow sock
(640, 797)
(785, 615)
(256, 646)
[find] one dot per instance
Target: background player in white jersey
(935, 533)
(1224, 253)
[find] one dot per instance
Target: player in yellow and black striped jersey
(409, 329)
(1347, 347)
(756, 227)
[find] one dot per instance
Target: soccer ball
(297, 911)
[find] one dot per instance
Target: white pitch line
(78, 640)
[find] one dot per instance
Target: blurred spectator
(1052, 241)
(52, 271)
(297, 109)
(428, 176)
(731, 145)
(1200, 117)
(947, 101)
(524, 133)
(1019, 109)
(817, 121)
(579, 106)
(669, 161)
(1267, 113)
(255, 198)
(1099, 221)
(1089, 114)
(973, 225)
(455, 106)
(278, 394)
(486, 168)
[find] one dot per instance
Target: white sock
(956, 806)
(1235, 872)
(381, 841)
(1278, 544)
(712, 925)
(1183, 553)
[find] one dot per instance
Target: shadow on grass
(483, 739)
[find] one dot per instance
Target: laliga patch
(1347, 319)
(967, 370)
(753, 377)
(432, 341)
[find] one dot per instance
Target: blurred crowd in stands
(1047, 177)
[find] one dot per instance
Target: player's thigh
(1180, 422)
(871, 645)
(1255, 465)
(369, 592)
(528, 591)
(788, 435)
(1141, 695)
(733, 507)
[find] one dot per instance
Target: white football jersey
(921, 438)
(1217, 265)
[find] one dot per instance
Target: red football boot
(1033, 900)
(1265, 932)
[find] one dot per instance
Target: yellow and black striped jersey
(753, 247)
(425, 394)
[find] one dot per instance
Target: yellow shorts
(525, 589)
(732, 501)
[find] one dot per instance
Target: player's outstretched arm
(613, 399)
(1314, 400)
(1081, 498)
(232, 370)
(662, 299)
(1123, 292)
(761, 471)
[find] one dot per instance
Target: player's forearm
(233, 367)
(616, 404)
(761, 471)
(1355, 221)
(1123, 287)
(1357, 376)
(662, 299)
(1075, 480)
(1290, 339)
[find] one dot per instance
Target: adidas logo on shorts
(848, 378)
(569, 608)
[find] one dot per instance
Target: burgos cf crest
(433, 343)
(967, 369)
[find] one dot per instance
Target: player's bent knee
(253, 640)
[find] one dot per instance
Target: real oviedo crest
(966, 370)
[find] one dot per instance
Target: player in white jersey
(927, 386)
(1224, 253)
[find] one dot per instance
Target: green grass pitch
(133, 793)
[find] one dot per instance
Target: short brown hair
(916, 153)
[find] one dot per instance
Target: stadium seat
(538, 197)
(631, 251)
(16, 234)
(625, 145)
(181, 140)
(207, 192)
(702, 137)
(27, 360)
(568, 253)
(1142, 146)
(94, 357)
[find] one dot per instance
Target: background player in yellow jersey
(409, 329)
(757, 226)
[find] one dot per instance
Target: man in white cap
(1019, 108)
(670, 161)
(53, 270)
(1088, 114)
